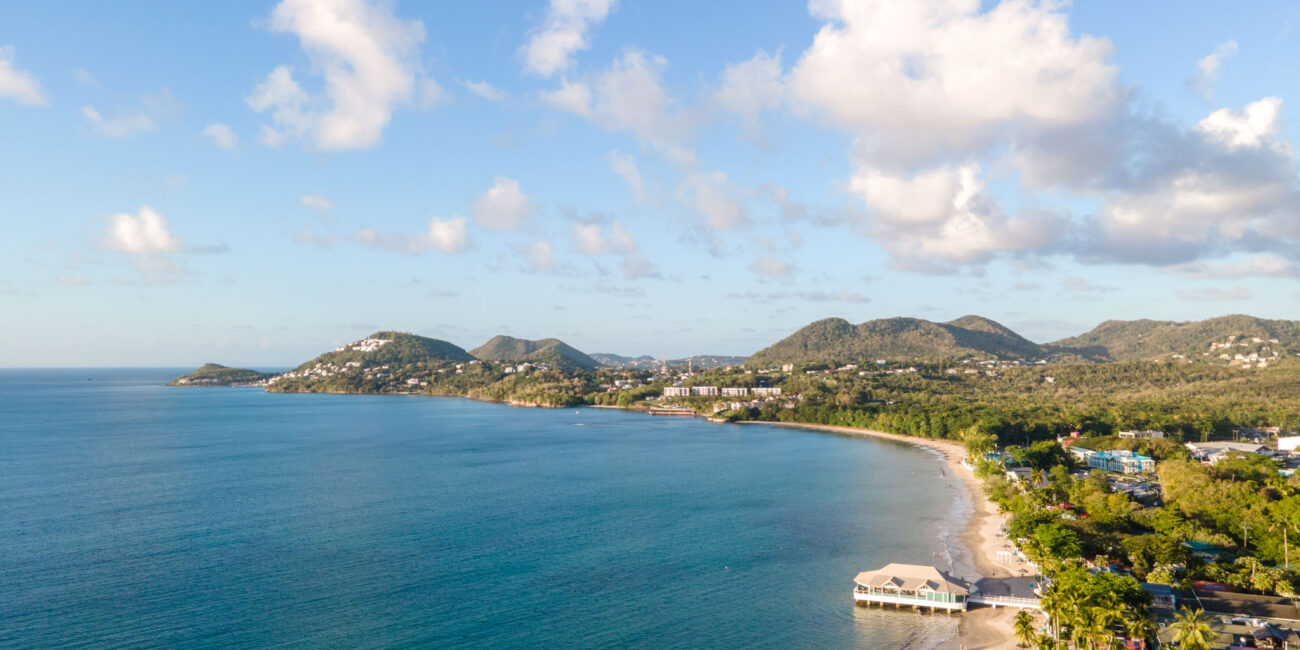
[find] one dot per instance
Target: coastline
(977, 545)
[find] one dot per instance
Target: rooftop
(912, 577)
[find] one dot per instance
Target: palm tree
(1192, 630)
(1024, 626)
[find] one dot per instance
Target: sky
(253, 183)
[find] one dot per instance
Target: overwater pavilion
(913, 585)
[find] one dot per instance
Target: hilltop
(1136, 340)
(215, 374)
(834, 340)
(367, 365)
(552, 351)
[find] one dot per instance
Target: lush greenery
(835, 340)
(213, 374)
(551, 351)
(1117, 340)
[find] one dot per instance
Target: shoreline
(977, 544)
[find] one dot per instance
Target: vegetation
(835, 340)
(551, 351)
(1116, 340)
(213, 374)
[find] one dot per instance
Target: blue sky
(253, 182)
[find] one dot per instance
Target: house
(1080, 454)
(1161, 595)
(1141, 434)
(1121, 461)
(1288, 443)
(911, 584)
(1204, 451)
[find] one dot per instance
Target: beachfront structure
(1120, 461)
(1141, 434)
(913, 585)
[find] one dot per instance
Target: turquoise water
(133, 514)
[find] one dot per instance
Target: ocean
(136, 514)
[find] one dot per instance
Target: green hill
(835, 340)
(378, 360)
(215, 374)
(1210, 339)
(552, 351)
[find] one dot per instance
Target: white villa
(911, 584)
(1141, 434)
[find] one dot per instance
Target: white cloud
(598, 237)
(1249, 127)
(540, 256)
(485, 90)
(73, 281)
(1207, 69)
(753, 86)
(317, 202)
(448, 235)
(221, 136)
(368, 58)
(924, 79)
(144, 233)
(771, 267)
(550, 48)
(18, 85)
(625, 166)
(445, 235)
(572, 97)
(119, 125)
(503, 206)
(944, 216)
(708, 195)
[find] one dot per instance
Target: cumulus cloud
(368, 59)
(1207, 69)
(810, 296)
(570, 97)
(550, 47)
(222, 136)
(503, 206)
(753, 86)
(1262, 265)
(485, 90)
(926, 79)
(598, 237)
(18, 85)
(944, 216)
(448, 236)
(146, 232)
(625, 166)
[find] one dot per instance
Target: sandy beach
(982, 627)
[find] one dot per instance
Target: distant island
(215, 374)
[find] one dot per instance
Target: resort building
(913, 585)
(735, 392)
(1141, 434)
(765, 392)
(677, 391)
(704, 391)
(1120, 461)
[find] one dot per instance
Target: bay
(135, 514)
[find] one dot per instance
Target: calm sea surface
(133, 514)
